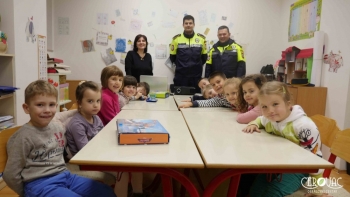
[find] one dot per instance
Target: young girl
(143, 88)
(231, 91)
(208, 92)
(248, 98)
(85, 124)
(282, 119)
(128, 91)
(112, 81)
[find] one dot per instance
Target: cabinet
(7, 78)
(311, 99)
(58, 80)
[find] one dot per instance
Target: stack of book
(6, 90)
(6, 122)
(55, 65)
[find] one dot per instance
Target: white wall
(250, 28)
(335, 23)
(26, 53)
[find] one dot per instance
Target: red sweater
(109, 106)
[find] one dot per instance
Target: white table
(163, 104)
(222, 144)
(104, 154)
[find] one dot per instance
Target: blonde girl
(231, 87)
(280, 118)
(248, 98)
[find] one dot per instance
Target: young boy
(217, 80)
(35, 165)
(207, 93)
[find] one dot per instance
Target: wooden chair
(4, 137)
(74, 106)
(338, 141)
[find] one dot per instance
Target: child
(202, 83)
(85, 124)
(35, 165)
(248, 98)
(112, 81)
(128, 91)
(282, 119)
(144, 88)
(231, 91)
(208, 93)
(217, 80)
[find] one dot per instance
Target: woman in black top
(138, 61)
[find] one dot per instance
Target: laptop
(156, 83)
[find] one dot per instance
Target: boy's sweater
(218, 101)
(34, 153)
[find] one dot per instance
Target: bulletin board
(305, 17)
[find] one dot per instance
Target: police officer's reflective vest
(226, 59)
(188, 53)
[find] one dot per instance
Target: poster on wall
(108, 56)
(161, 51)
(305, 17)
(29, 30)
(63, 26)
(120, 45)
(102, 18)
(42, 57)
(87, 45)
(102, 38)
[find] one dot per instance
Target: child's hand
(186, 100)
(251, 129)
(138, 95)
(186, 105)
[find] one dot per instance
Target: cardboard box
(141, 131)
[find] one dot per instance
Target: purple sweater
(80, 132)
(109, 106)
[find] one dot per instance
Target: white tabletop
(181, 152)
(163, 104)
(222, 144)
(180, 98)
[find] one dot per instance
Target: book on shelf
(141, 131)
(6, 122)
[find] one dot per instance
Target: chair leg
(155, 184)
(199, 180)
(182, 190)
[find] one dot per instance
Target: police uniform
(189, 53)
(228, 59)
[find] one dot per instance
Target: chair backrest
(74, 106)
(327, 127)
(4, 137)
(341, 144)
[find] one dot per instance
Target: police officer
(226, 56)
(188, 52)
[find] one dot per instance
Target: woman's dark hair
(138, 38)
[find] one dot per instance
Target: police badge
(196, 40)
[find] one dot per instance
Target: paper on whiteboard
(102, 18)
(102, 38)
(122, 58)
(161, 51)
(108, 56)
(135, 26)
(203, 20)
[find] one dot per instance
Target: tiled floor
(345, 181)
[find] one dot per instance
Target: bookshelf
(7, 78)
(58, 79)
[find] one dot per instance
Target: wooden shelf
(7, 55)
(6, 96)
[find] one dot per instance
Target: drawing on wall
(150, 24)
(224, 18)
(161, 51)
(166, 24)
(30, 33)
(122, 58)
(102, 38)
(206, 31)
(184, 13)
(213, 18)
(102, 18)
(120, 45)
(305, 16)
(135, 25)
(230, 25)
(153, 14)
(151, 44)
(135, 12)
(110, 37)
(117, 12)
(203, 19)
(87, 45)
(113, 22)
(173, 13)
(108, 56)
(63, 25)
(335, 61)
